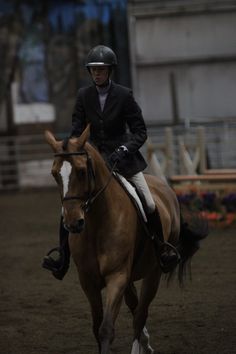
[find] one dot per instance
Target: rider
(110, 108)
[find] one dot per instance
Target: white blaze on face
(65, 175)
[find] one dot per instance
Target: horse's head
(74, 174)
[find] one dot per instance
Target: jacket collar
(95, 98)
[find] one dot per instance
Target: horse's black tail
(193, 229)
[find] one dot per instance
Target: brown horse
(107, 240)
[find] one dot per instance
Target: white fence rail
(193, 150)
(25, 161)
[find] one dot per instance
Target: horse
(107, 239)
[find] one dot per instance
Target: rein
(92, 196)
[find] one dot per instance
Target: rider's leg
(58, 259)
(168, 256)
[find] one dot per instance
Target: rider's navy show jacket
(108, 128)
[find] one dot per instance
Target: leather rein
(91, 195)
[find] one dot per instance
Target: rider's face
(100, 74)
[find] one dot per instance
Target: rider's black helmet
(101, 56)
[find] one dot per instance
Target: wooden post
(187, 166)
(169, 152)
(202, 149)
(153, 162)
(181, 156)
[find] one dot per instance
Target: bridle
(90, 196)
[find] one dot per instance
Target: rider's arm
(134, 118)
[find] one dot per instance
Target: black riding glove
(118, 155)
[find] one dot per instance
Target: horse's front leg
(92, 290)
(115, 288)
(95, 300)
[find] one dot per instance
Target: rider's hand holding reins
(118, 155)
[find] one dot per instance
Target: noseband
(91, 195)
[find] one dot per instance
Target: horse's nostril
(76, 227)
(80, 224)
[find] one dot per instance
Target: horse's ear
(84, 136)
(51, 140)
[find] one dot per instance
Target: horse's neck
(104, 178)
(106, 182)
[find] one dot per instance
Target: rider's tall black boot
(167, 254)
(58, 259)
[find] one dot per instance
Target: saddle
(135, 197)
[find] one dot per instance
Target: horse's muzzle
(76, 227)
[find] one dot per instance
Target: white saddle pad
(132, 192)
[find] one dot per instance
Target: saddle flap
(131, 191)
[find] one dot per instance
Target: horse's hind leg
(131, 300)
(131, 297)
(148, 291)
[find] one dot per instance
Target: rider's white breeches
(140, 183)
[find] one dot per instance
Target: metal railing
(219, 144)
(25, 161)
